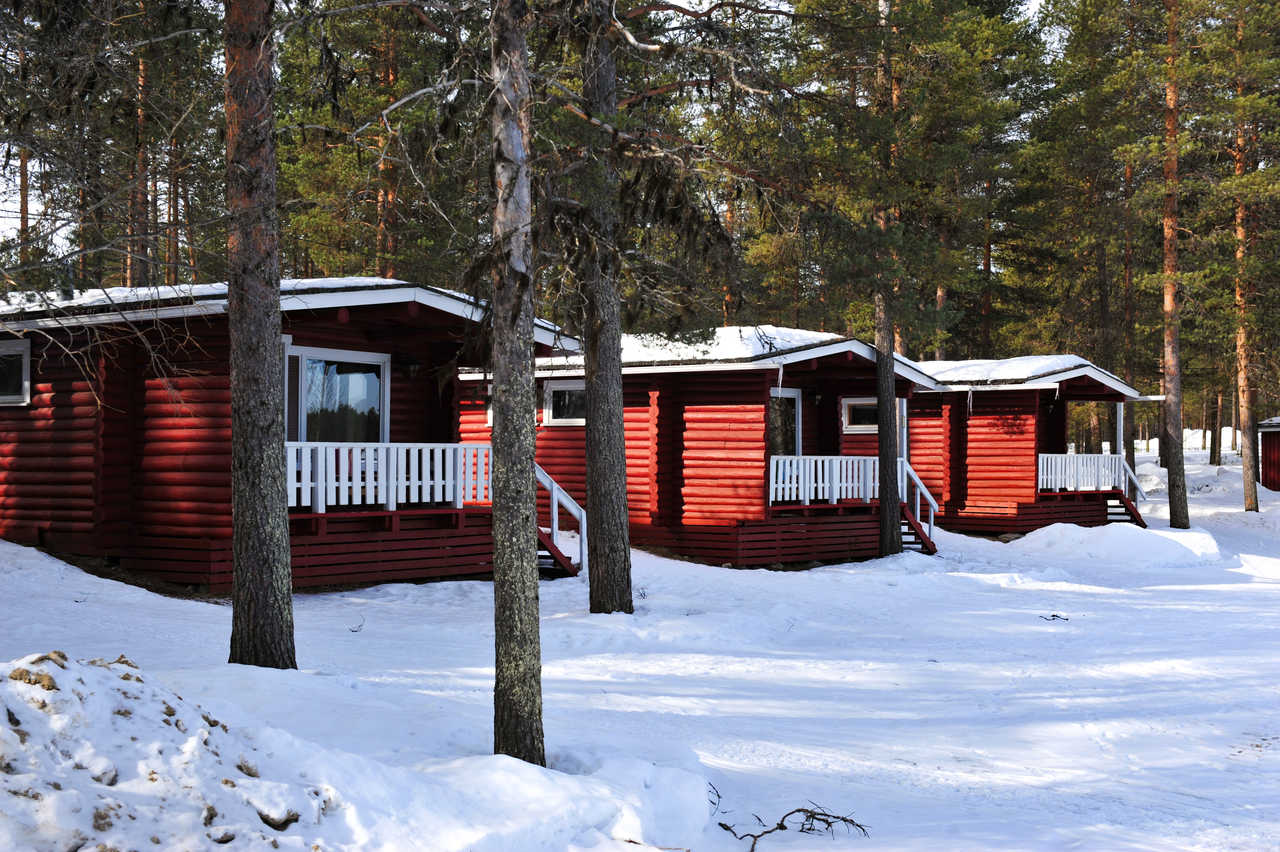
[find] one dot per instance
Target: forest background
(1004, 170)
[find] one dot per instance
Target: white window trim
(798, 395)
(382, 359)
(19, 347)
(856, 428)
(560, 384)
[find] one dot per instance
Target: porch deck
(1088, 489)
(801, 485)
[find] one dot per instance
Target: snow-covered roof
(1271, 424)
(731, 347)
(1026, 371)
(29, 310)
(730, 343)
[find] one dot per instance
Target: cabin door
(784, 426)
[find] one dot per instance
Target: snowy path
(929, 697)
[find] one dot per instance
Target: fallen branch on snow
(814, 820)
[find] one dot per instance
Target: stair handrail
(905, 471)
(563, 499)
(1132, 477)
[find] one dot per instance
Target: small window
(858, 415)
(15, 372)
(565, 404)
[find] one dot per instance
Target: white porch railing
(1085, 472)
(322, 476)
(830, 479)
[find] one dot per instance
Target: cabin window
(15, 372)
(858, 415)
(337, 396)
(564, 403)
(784, 426)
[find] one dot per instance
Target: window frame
(798, 395)
(21, 346)
(552, 385)
(351, 356)
(847, 428)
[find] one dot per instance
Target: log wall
(48, 453)
(130, 456)
(1270, 453)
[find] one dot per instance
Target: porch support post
(904, 433)
(1118, 447)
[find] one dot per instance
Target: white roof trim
(1271, 424)
(296, 299)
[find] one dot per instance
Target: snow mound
(93, 754)
(1122, 544)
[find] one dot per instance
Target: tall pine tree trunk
(1245, 292)
(24, 209)
(517, 691)
(192, 256)
(609, 542)
(1171, 439)
(262, 586)
(24, 187)
(388, 174)
(137, 270)
(171, 227)
(886, 394)
(1130, 321)
(1215, 439)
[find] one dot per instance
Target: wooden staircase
(553, 559)
(913, 535)
(1120, 509)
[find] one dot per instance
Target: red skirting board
(785, 540)
(1086, 509)
(338, 549)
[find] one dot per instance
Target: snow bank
(96, 753)
(1125, 544)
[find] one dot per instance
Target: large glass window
(15, 372)
(336, 396)
(344, 401)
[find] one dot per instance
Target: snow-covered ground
(1111, 688)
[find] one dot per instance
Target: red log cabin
(751, 446)
(991, 444)
(1269, 449)
(115, 431)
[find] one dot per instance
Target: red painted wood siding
(48, 460)
(929, 431)
(723, 452)
(129, 453)
(561, 450)
(1000, 447)
(1270, 446)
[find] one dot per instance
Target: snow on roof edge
(99, 301)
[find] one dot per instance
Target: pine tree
(517, 696)
(262, 587)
